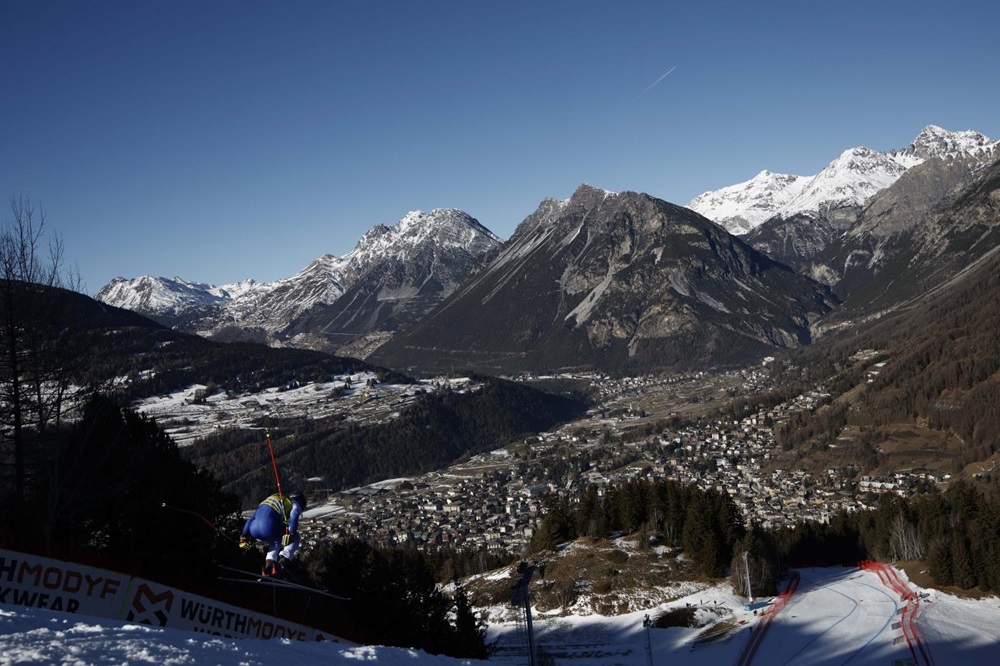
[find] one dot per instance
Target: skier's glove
(244, 543)
(286, 540)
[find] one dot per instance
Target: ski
(267, 580)
(257, 579)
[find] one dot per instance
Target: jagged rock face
(956, 234)
(886, 226)
(399, 286)
(899, 208)
(913, 241)
(614, 281)
(802, 240)
(393, 275)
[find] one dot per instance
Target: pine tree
(589, 517)
(125, 493)
(469, 630)
(940, 562)
(558, 526)
(962, 562)
(702, 537)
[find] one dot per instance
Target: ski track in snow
(838, 616)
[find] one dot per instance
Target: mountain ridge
(637, 281)
(262, 312)
(591, 280)
(846, 182)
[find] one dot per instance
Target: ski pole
(193, 513)
(274, 464)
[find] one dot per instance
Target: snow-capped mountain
(147, 294)
(258, 311)
(846, 183)
(408, 270)
(442, 227)
(746, 205)
(934, 141)
(617, 282)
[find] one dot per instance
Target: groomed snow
(837, 616)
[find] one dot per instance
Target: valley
(447, 333)
(638, 428)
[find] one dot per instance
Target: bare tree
(904, 538)
(744, 571)
(753, 572)
(31, 386)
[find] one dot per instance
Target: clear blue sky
(219, 140)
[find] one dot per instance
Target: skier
(276, 522)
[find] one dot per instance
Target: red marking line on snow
(910, 618)
(760, 630)
(890, 578)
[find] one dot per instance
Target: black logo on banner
(150, 608)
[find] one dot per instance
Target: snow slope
(745, 206)
(837, 616)
(850, 180)
(32, 636)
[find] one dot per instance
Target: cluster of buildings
(476, 512)
(495, 501)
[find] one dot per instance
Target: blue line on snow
(879, 632)
(821, 634)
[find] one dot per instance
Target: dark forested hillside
(108, 345)
(435, 431)
(705, 523)
(938, 373)
(956, 534)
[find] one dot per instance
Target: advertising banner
(41, 582)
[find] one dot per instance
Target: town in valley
(652, 428)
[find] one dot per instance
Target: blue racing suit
(275, 517)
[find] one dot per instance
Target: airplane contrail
(657, 81)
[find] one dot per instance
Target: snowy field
(836, 616)
(187, 418)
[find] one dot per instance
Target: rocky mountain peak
(848, 181)
(235, 289)
(146, 294)
(858, 159)
(442, 227)
(934, 141)
(372, 235)
(588, 196)
(406, 267)
(613, 281)
(744, 206)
